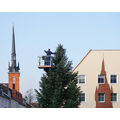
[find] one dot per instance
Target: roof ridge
(82, 60)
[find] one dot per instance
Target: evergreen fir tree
(58, 87)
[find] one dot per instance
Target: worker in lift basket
(47, 61)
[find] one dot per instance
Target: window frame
(98, 77)
(116, 98)
(85, 98)
(116, 79)
(13, 86)
(98, 98)
(84, 80)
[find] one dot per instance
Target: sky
(35, 32)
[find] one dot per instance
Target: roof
(4, 87)
(6, 92)
(82, 60)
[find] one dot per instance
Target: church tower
(13, 73)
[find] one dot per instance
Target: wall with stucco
(91, 68)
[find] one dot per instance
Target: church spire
(13, 55)
(13, 43)
(13, 67)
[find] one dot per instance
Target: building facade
(99, 79)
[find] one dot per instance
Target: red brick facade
(104, 88)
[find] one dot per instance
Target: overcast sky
(36, 32)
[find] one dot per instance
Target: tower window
(13, 82)
(101, 79)
(13, 86)
(113, 78)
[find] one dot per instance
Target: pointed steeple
(18, 66)
(13, 67)
(13, 55)
(13, 42)
(8, 65)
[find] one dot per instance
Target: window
(113, 97)
(82, 97)
(13, 86)
(81, 79)
(101, 78)
(101, 97)
(113, 78)
(13, 80)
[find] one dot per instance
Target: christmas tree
(58, 86)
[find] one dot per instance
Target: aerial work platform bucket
(45, 62)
